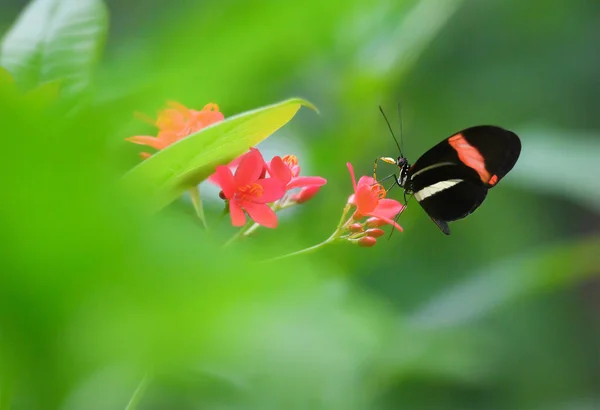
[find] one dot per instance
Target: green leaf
(509, 280)
(164, 176)
(55, 40)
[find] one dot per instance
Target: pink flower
(286, 169)
(248, 190)
(369, 199)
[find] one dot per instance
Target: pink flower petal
(299, 182)
(277, 169)
(232, 164)
(250, 168)
(261, 214)
(273, 189)
(365, 180)
(388, 207)
(366, 200)
(238, 217)
(349, 165)
(224, 178)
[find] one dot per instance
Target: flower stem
(137, 394)
(341, 227)
(195, 195)
(240, 232)
(251, 229)
(329, 240)
(252, 226)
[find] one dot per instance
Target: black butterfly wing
(448, 192)
(451, 180)
(489, 150)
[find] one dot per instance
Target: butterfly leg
(385, 179)
(397, 217)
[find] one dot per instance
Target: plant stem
(195, 195)
(239, 233)
(329, 240)
(341, 227)
(137, 394)
(251, 229)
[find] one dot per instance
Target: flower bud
(355, 228)
(374, 222)
(306, 194)
(375, 232)
(367, 241)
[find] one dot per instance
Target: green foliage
(162, 178)
(98, 295)
(55, 40)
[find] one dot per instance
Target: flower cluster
(372, 210)
(262, 188)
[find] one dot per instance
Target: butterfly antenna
(391, 131)
(401, 137)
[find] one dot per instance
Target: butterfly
(452, 179)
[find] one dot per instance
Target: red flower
(177, 122)
(286, 169)
(369, 199)
(248, 190)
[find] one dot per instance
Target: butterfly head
(401, 163)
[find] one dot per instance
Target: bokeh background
(503, 314)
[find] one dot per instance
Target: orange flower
(177, 122)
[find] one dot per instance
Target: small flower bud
(222, 195)
(367, 241)
(375, 232)
(355, 228)
(306, 194)
(375, 222)
(352, 199)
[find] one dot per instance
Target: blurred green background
(95, 296)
